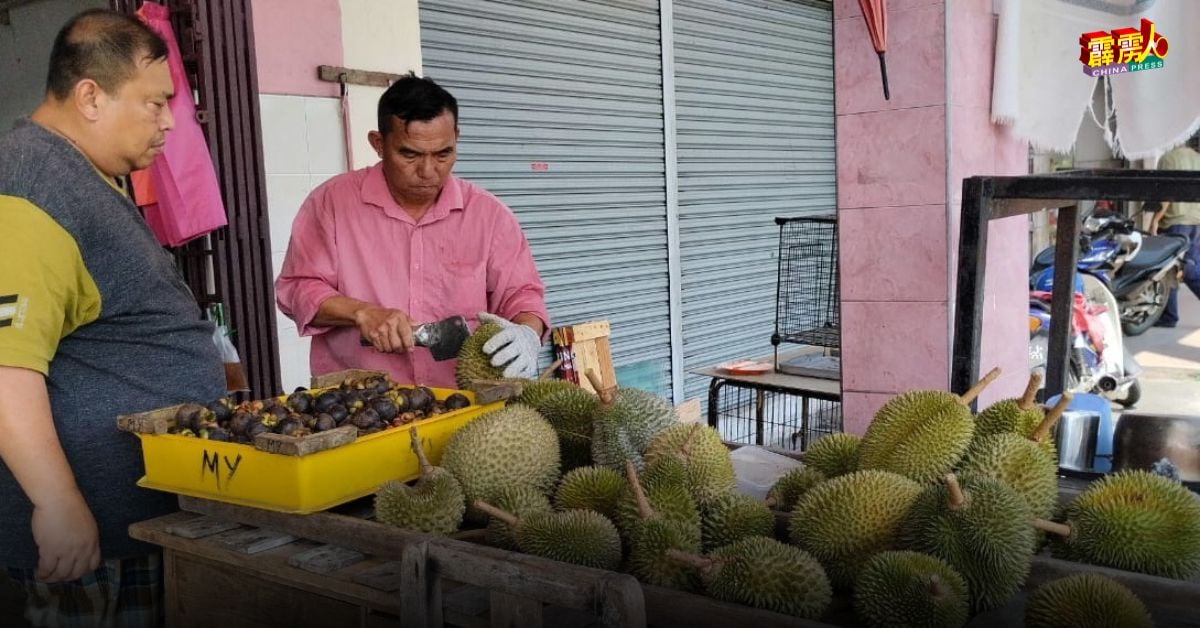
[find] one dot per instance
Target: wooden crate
(345, 565)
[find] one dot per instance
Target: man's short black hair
(101, 45)
(414, 99)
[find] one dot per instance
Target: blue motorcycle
(1139, 270)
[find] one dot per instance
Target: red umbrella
(875, 13)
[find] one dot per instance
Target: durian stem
(1061, 529)
(1052, 417)
(1027, 400)
(550, 369)
(957, 497)
(686, 448)
(496, 513)
(771, 501)
(692, 560)
(987, 380)
(635, 484)
(426, 467)
(936, 588)
(607, 395)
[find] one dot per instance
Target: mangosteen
(222, 409)
(407, 417)
(356, 400)
(400, 398)
(301, 402)
(384, 407)
(457, 401)
(186, 432)
(219, 434)
(327, 400)
(288, 427)
(325, 422)
(240, 422)
(279, 412)
(420, 399)
(307, 420)
(300, 389)
(380, 386)
(339, 413)
(190, 415)
(365, 419)
(255, 429)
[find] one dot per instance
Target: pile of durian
(930, 518)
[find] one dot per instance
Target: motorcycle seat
(1156, 252)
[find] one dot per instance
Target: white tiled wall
(303, 146)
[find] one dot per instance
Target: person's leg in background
(1191, 273)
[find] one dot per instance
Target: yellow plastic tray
(240, 474)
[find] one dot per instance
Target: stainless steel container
(1077, 431)
(1142, 439)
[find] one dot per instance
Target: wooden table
(806, 388)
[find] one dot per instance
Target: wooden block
(385, 577)
(689, 411)
(201, 527)
(490, 390)
(588, 331)
(510, 611)
(325, 559)
(337, 377)
(151, 422)
(305, 445)
(253, 540)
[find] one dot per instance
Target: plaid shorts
(120, 594)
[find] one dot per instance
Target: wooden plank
(420, 590)
(268, 565)
(493, 390)
(689, 411)
(252, 540)
(669, 608)
(200, 527)
(338, 74)
(306, 445)
(384, 577)
(590, 331)
(511, 611)
(325, 559)
(465, 605)
(337, 377)
(150, 422)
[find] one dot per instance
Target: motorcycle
(1098, 361)
(1139, 270)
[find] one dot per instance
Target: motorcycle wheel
(1134, 395)
(1145, 320)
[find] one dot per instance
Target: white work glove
(516, 346)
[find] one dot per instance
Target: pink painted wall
(292, 38)
(899, 226)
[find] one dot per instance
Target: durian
(707, 465)
(1085, 600)
(792, 486)
(670, 501)
(473, 364)
(1021, 463)
(591, 488)
(761, 572)
(981, 528)
(434, 505)
(520, 501)
(571, 411)
(626, 422)
(834, 455)
(1136, 521)
(733, 517)
(580, 537)
(922, 434)
(657, 535)
(533, 393)
(844, 521)
(513, 446)
(900, 589)
(1016, 416)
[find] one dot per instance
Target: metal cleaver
(444, 338)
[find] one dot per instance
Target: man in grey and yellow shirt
(1183, 219)
(95, 321)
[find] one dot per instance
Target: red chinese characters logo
(1123, 46)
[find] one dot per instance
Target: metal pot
(1142, 439)
(1077, 431)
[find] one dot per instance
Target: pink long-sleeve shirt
(466, 255)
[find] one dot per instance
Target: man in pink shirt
(377, 251)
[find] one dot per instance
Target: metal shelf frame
(992, 198)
